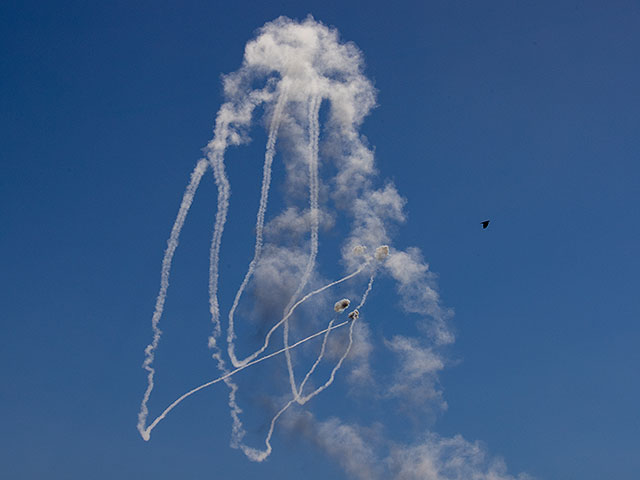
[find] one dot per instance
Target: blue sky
(524, 113)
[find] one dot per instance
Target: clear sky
(524, 113)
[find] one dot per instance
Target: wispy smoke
(366, 454)
(311, 90)
(415, 381)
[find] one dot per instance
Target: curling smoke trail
(146, 432)
(172, 244)
(260, 455)
(237, 428)
(306, 398)
(288, 71)
(216, 157)
(300, 302)
(314, 133)
(264, 198)
(315, 364)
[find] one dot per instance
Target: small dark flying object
(485, 224)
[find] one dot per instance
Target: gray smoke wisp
(313, 95)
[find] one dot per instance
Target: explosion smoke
(341, 305)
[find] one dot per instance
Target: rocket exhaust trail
(260, 455)
(297, 304)
(264, 198)
(305, 399)
(223, 200)
(288, 70)
(237, 428)
(172, 244)
(215, 156)
(146, 432)
(142, 416)
(314, 133)
(299, 390)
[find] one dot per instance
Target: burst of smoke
(382, 252)
(359, 250)
(342, 305)
(291, 71)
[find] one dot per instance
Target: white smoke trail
(300, 302)
(146, 431)
(299, 70)
(264, 198)
(241, 115)
(291, 68)
(172, 244)
(314, 133)
(237, 428)
(260, 455)
(314, 366)
(216, 157)
(305, 399)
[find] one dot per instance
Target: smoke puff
(341, 305)
(382, 252)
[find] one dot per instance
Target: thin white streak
(260, 455)
(146, 433)
(314, 133)
(306, 398)
(264, 198)
(172, 244)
